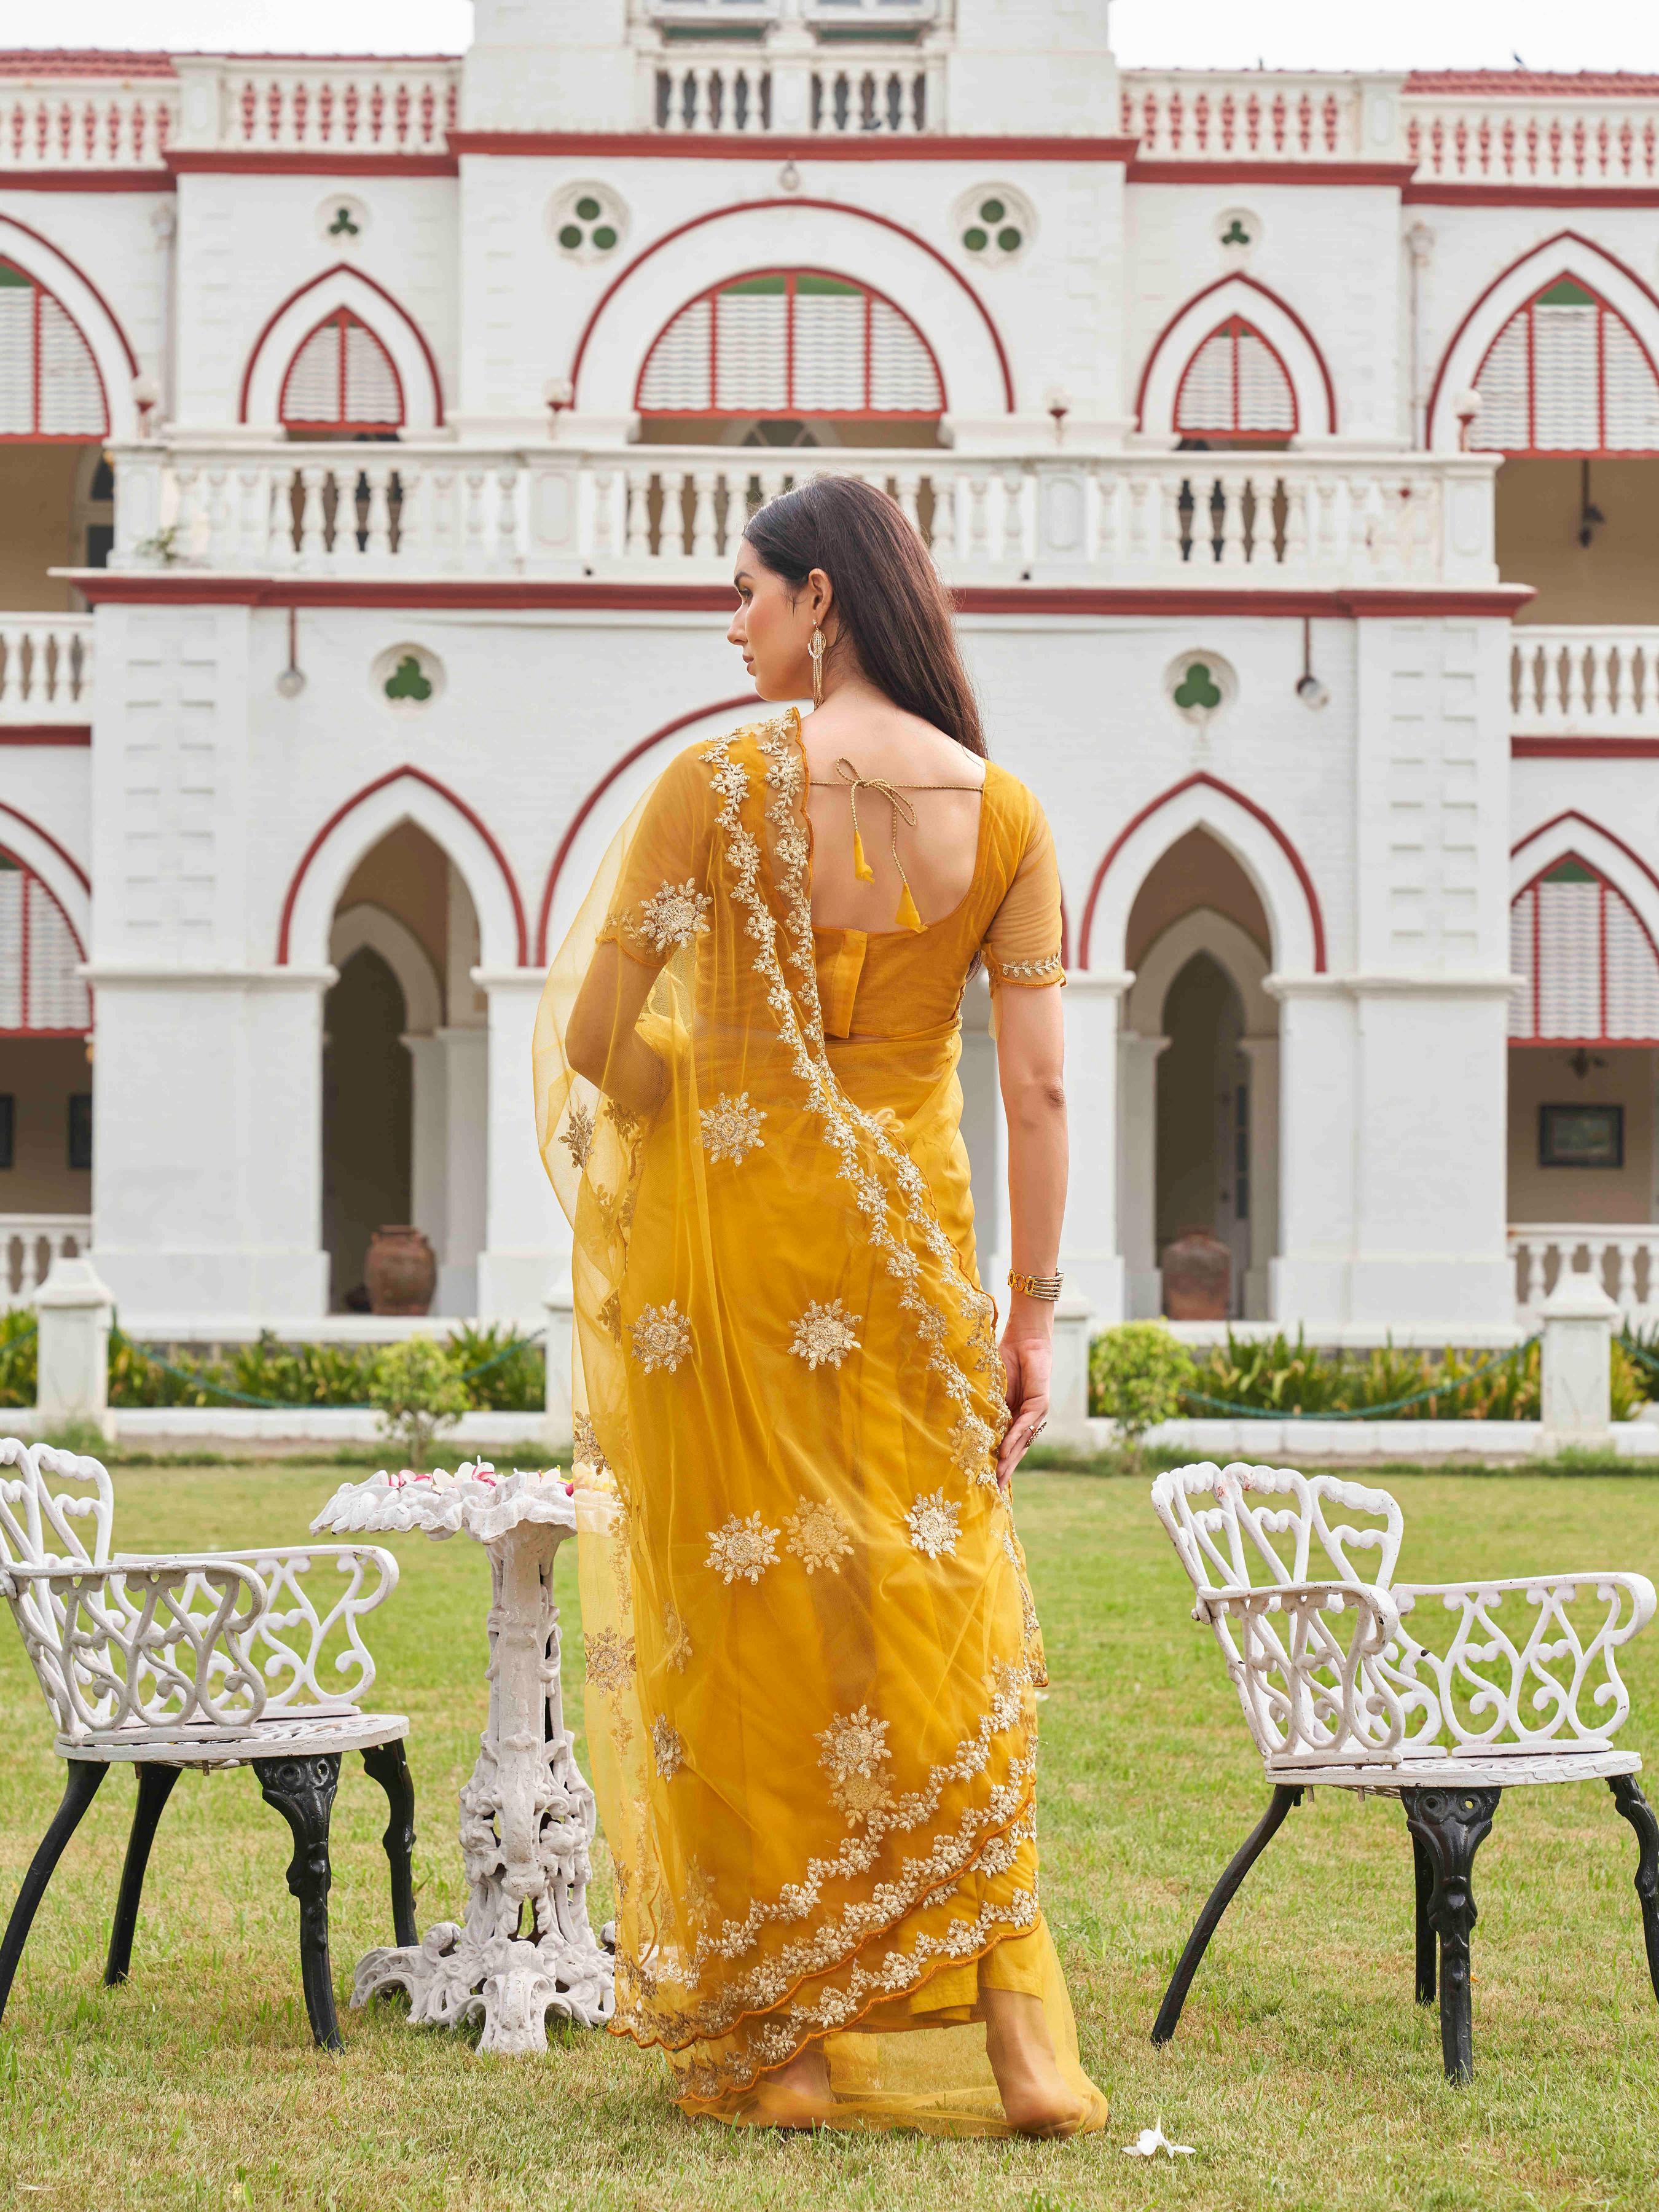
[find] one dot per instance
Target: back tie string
(907, 916)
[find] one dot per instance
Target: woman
(813, 1655)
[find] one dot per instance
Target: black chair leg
(1451, 1826)
(1285, 1796)
(154, 1788)
(80, 1786)
(388, 1765)
(1628, 1796)
(302, 1791)
(1425, 1874)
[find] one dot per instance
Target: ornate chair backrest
(1312, 1682)
(1242, 1541)
(42, 1494)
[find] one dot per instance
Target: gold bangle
(1036, 1286)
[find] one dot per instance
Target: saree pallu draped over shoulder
(812, 1654)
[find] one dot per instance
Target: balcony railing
(29, 1243)
(660, 511)
(1580, 681)
(55, 123)
(348, 108)
(1497, 141)
(1207, 115)
(1622, 1256)
(845, 91)
(45, 668)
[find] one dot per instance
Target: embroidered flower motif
(935, 1524)
(610, 1657)
(674, 915)
(1054, 965)
(676, 1647)
(972, 1443)
(577, 1135)
(624, 1123)
(585, 1450)
(853, 1743)
(731, 1127)
(669, 1747)
(610, 1317)
(859, 1795)
(824, 1333)
(817, 1536)
(743, 1549)
(662, 1337)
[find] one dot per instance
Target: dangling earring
(815, 647)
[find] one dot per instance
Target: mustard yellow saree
(812, 1654)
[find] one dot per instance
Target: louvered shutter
(790, 342)
(1235, 386)
(50, 386)
(1589, 970)
(342, 378)
(1567, 375)
(39, 989)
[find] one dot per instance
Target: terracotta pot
(401, 1271)
(1198, 1272)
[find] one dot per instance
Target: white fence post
(560, 1307)
(1577, 1389)
(75, 1309)
(1068, 1389)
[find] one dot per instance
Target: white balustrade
(1188, 520)
(52, 123)
(1622, 1257)
(1584, 681)
(869, 92)
(29, 1243)
(1555, 141)
(322, 106)
(1242, 116)
(45, 668)
(732, 96)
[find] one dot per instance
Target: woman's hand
(1028, 1354)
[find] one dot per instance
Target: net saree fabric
(813, 1655)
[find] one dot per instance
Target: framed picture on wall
(1580, 1136)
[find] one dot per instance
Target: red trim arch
(1315, 916)
(31, 882)
(1612, 972)
(343, 321)
(323, 277)
(1572, 814)
(1263, 291)
(1235, 328)
(350, 805)
(797, 200)
(619, 767)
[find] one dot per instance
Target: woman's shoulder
(760, 739)
(1016, 806)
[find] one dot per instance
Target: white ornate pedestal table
(527, 1947)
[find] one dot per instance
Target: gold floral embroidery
(973, 1443)
(676, 1647)
(853, 1743)
(610, 1317)
(1029, 971)
(577, 1135)
(861, 1795)
(668, 1746)
(625, 1124)
(662, 1337)
(674, 915)
(817, 1536)
(743, 1549)
(731, 1127)
(935, 1524)
(823, 1334)
(585, 1450)
(610, 1657)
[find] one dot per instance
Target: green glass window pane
(829, 287)
(570, 235)
(588, 208)
(748, 286)
(974, 239)
(604, 238)
(1571, 872)
(1008, 238)
(8, 866)
(1565, 292)
(991, 210)
(10, 275)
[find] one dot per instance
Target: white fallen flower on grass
(1150, 2141)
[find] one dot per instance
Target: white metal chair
(1410, 1690)
(208, 1660)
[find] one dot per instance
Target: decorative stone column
(559, 1305)
(76, 1310)
(1579, 1318)
(1138, 1059)
(1068, 1388)
(1262, 1053)
(1090, 1256)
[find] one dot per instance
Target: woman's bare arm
(1030, 1063)
(602, 1040)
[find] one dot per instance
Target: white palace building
(375, 437)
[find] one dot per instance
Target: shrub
(418, 1392)
(17, 1357)
(514, 1377)
(1138, 1375)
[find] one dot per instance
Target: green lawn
(1303, 2072)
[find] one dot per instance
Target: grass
(1304, 2073)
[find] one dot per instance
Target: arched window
(1590, 970)
(791, 342)
(50, 386)
(40, 993)
(342, 379)
(1567, 375)
(1235, 387)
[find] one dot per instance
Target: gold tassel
(861, 867)
(907, 917)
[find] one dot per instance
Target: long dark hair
(892, 611)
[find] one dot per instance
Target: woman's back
(912, 792)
